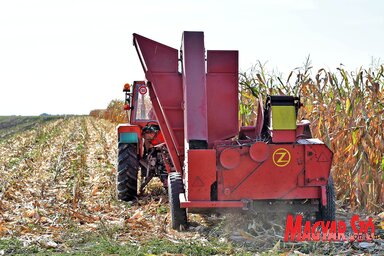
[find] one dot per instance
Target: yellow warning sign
(281, 157)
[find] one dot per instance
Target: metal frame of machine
(219, 165)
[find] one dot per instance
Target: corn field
(114, 112)
(57, 190)
(57, 186)
(346, 110)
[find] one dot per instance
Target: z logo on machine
(281, 157)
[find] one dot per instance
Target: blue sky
(73, 56)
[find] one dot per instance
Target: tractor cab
(140, 144)
(142, 120)
(137, 100)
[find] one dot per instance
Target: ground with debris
(57, 196)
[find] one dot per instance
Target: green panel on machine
(283, 118)
(128, 137)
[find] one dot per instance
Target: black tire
(328, 213)
(127, 169)
(178, 215)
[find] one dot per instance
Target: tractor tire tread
(178, 215)
(328, 212)
(127, 169)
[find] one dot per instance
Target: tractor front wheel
(328, 212)
(178, 215)
(127, 168)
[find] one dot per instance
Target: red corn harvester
(273, 166)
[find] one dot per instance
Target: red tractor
(141, 144)
(214, 163)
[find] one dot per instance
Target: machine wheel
(328, 212)
(178, 215)
(127, 168)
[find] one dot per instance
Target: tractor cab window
(143, 106)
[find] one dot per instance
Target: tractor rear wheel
(178, 215)
(127, 169)
(328, 212)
